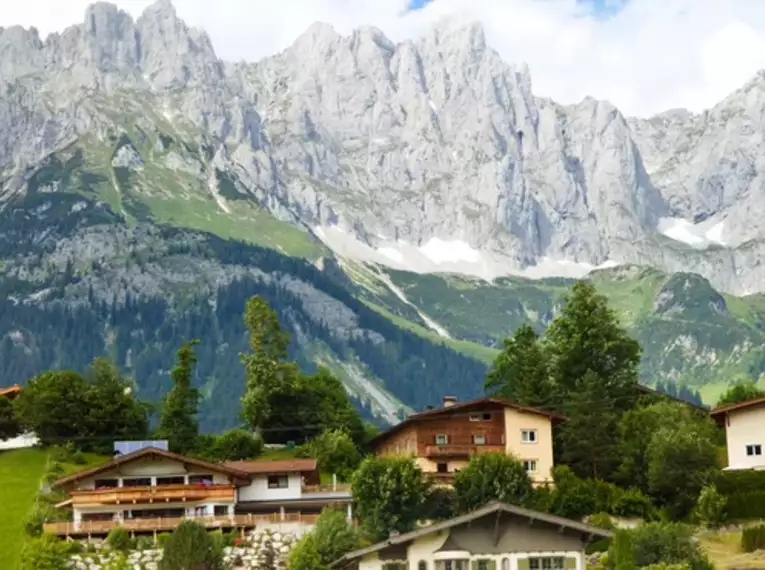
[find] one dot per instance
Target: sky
(645, 56)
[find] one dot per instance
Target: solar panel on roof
(125, 447)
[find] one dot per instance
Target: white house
(744, 425)
(495, 537)
(151, 490)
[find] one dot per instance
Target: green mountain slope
(691, 334)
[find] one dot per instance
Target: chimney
(449, 401)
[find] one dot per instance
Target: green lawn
(20, 474)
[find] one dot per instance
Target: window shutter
(570, 563)
(523, 564)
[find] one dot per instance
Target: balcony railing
(169, 523)
(461, 450)
(153, 494)
(329, 488)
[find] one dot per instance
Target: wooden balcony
(161, 524)
(153, 494)
(461, 450)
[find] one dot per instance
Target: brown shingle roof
(128, 457)
(256, 467)
(739, 406)
(464, 408)
(491, 508)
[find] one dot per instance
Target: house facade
(442, 440)
(154, 490)
(25, 439)
(744, 425)
(495, 537)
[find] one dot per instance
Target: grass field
(724, 551)
(20, 474)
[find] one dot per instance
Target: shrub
(33, 526)
(631, 503)
(119, 539)
(334, 451)
(237, 444)
(189, 546)
(753, 538)
(46, 552)
(710, 507)
(601, 520)
(746, 505)
(144, 543)
(740, 481)
(440, 504)
(657, 543)
(78, 458)
(162, 538)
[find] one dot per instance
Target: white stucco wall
(745, 427)
(258, 490)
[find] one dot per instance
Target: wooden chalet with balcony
(153, 490)
(442, 440)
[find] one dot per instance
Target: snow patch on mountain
(701, 235)
(439, 255)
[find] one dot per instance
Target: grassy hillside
(20, 474)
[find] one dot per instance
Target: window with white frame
(505, 564)
(529, 435)
(482, 564)
(475, 417)
(530, 465)
(422, 565)
(753, 450)
(546, 563)
(479, 439)
(442, 439)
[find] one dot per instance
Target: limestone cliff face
(398, 145)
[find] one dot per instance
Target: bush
(162, 539)
(440, 504)
(144, 543)
(334, 451)
(189, 546)
(753, 538)
(78, 458)
(237, 444)
(710, 507)
(47, 552)
(740, 481)
(119, 539)
(746, 505)
(631, 503)
(657, 543)
(601, 520)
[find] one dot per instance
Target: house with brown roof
(442, 440)
(10, 392)
(744, 425)
(496, 537)
(153, 490)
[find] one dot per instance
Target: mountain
(147, 188)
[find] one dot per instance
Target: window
(278, 481)
(453, 565)
(394, 566)
(479, 439)
(106, 483)
(487, 416)
(529, 435)
(137, 482)
(505, 564)
(546, 563)
(220, 510)
(442, 439)
(200, 479)
(475, 417)
(422, 565)
(442, 467)
(482, 565)
(754, 450)
(530, 465)
(170, 480)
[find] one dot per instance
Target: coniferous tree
(178, 422)
(521, 372)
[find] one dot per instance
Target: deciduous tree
(388, 495)
(9, 422)
(491, 477)
(740, 393)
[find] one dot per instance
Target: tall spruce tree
(266, 368)
(521, 372)
(178, 422)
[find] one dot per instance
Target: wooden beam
(496, 527)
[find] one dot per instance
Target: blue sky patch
(600, 8)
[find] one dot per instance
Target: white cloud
(653, 55)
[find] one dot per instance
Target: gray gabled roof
(492, 507)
